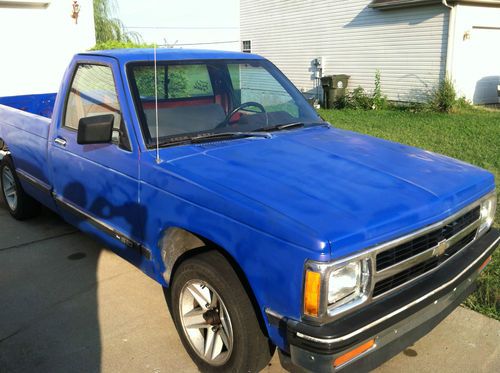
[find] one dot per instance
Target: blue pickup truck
(268, 228)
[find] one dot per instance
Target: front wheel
(215, 318)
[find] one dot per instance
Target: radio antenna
(156, 110)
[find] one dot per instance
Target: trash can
(334, 86)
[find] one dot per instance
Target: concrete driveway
(70, 305)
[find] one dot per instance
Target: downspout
(451, 39)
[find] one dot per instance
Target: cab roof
(170, 54)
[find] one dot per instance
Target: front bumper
(394, 323)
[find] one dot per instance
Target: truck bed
(42, 104)
(30, 114)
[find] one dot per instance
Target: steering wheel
(225, 122)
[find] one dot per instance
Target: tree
(108, 27)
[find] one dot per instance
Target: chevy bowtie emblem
(441, 248)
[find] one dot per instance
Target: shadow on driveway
(48, 290)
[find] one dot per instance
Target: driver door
(97, 184)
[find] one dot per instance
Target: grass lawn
(472, 135)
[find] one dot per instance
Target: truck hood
(344, 190)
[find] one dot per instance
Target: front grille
(409, 274)
(405, 276)
(420, 244)
(459, 245)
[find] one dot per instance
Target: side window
(92, 93)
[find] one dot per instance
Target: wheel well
(208, 245)
(4, 150)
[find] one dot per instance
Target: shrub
(358, 99)
(463, 103)
(114, 44)
(342, 102)
(379, 100)
(444, 97)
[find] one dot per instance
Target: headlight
(333, 289)
(348, 282)
(488, 209)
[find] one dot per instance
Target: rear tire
(20, 205)
(215, 318)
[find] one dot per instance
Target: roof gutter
(451, 39)
(494, 3)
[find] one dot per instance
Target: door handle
(60, 141)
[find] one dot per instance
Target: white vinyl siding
(408, 46)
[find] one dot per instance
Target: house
(38, 39)
(414, 43)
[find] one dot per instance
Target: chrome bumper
(395, 337)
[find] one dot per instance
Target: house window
(246, 46)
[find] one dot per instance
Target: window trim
(62, 125)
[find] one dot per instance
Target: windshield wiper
(281, 127)
(290, 126)
(207, 137)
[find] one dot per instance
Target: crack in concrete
(11, 335)
(37, 241)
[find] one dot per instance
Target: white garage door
(478, 64)
(485, 68)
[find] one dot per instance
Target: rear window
(187, 81)
(174, 82)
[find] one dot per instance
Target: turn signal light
(341, 360)
(312, 290)
(486, 262)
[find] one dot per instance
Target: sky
(183, 22)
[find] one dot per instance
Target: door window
(93, 92)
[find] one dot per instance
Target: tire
(20, 205)
(229, 320)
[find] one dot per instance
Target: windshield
(216, 96)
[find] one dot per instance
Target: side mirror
(96, 129)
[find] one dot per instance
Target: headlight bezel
(328, 311)
(488, 208)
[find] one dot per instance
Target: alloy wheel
(206, 322)
(9, 188)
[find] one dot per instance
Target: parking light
(312, 293)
